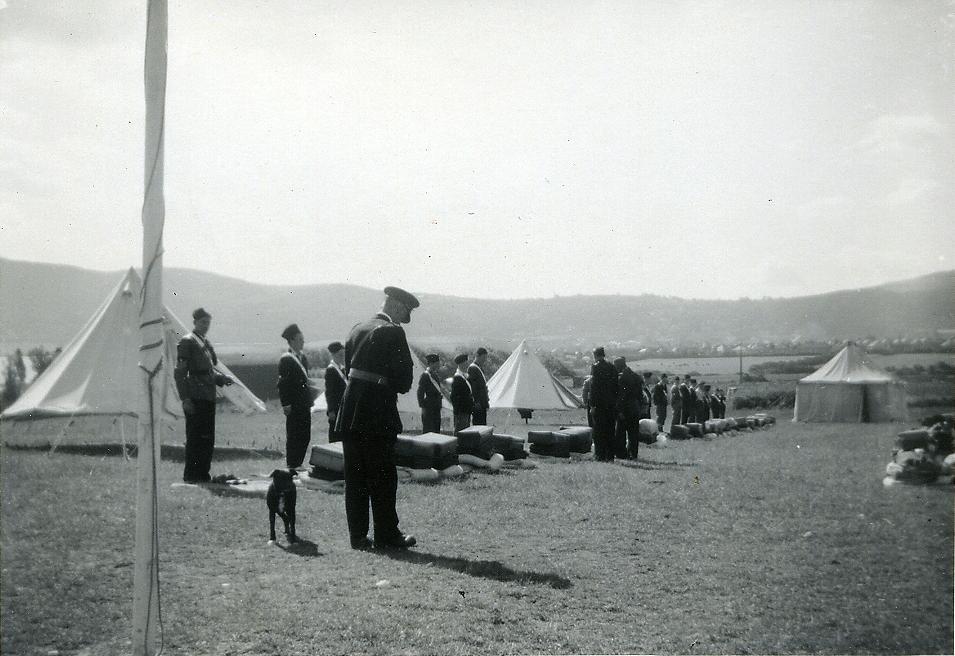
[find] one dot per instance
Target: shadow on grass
(485, 569)
(303, 548)
(643, 463)
(172, 452)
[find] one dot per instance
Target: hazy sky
(498, 149)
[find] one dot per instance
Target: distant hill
(47, 304)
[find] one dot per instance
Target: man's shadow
(653, 465)
(485, 569)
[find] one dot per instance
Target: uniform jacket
(702, 406)
(293, 382)
(478, 386)
(195, 373)
(629, 393)
(603, 386)
(676, 399)
(334, 388)
(461, 395)
(429, 396)
(686, 397)
(645, 398)
(659, 393)
(377, 346)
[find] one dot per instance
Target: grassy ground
(778, 541)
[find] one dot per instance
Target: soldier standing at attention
(196, 380)
(462, 399)
(660, 400)
(603, 404)
(379, 367)
(430, 396)
(676, 402)
(295, 394)
(688, 394)
(479, 388)
(629, 392)
(335, 382)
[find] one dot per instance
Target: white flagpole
(146, 617)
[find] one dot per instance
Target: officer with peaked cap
(196, 381)
(295, 393)
(335, 382)
(379, 367)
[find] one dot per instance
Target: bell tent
(523, 382)
(97, 372)
(849, 388)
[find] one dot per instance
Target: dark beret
(461, 357)
(599, 352)
(405, 298)
(481, 351)
(335, 347)
(290, 331)
(200, 313)
(432, 357)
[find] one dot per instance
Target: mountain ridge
(47, 303)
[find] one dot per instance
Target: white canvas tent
(407, 403)
(849, 388)
(524, 382)
(97, 373)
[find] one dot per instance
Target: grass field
(778, 541)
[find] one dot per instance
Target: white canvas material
(524, 382)
(98, 373)
(850, 389)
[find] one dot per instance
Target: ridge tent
(849, 388)
(407, 403)
(523, 381)
(98, 374)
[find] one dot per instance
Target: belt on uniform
(359, 374)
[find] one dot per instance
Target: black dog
(281, 501)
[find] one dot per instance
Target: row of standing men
(617, 398)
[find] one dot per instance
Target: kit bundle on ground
(327, 461)
(918, 466)
(912, 439)
(764, 419)
(648, 430)
(580, 438)
(711, 426)
(695, 429)
(509, 446)
(476, 441)
(426, 451)
(561, 443)
(679, 432)
(730, 423)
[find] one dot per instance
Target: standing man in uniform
(379, 367)
(462, 398)
(629, 393)
(676, 402)
(335, 382)
(295, 394)
(688, 395)
(603, 405)
(430, 396)
(661, 400)
(479, 388)
(196, 380)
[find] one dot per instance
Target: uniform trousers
(461, 420)
(603, 431)
(431, 420)
(370, 476)
(479, 417)
(677, 416)
(298, 433)
(661, 416)
(200, 440)
(627, 438)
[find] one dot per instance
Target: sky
(493, 149)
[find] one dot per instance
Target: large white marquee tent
(849, 388)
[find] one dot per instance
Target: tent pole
(147, 620)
